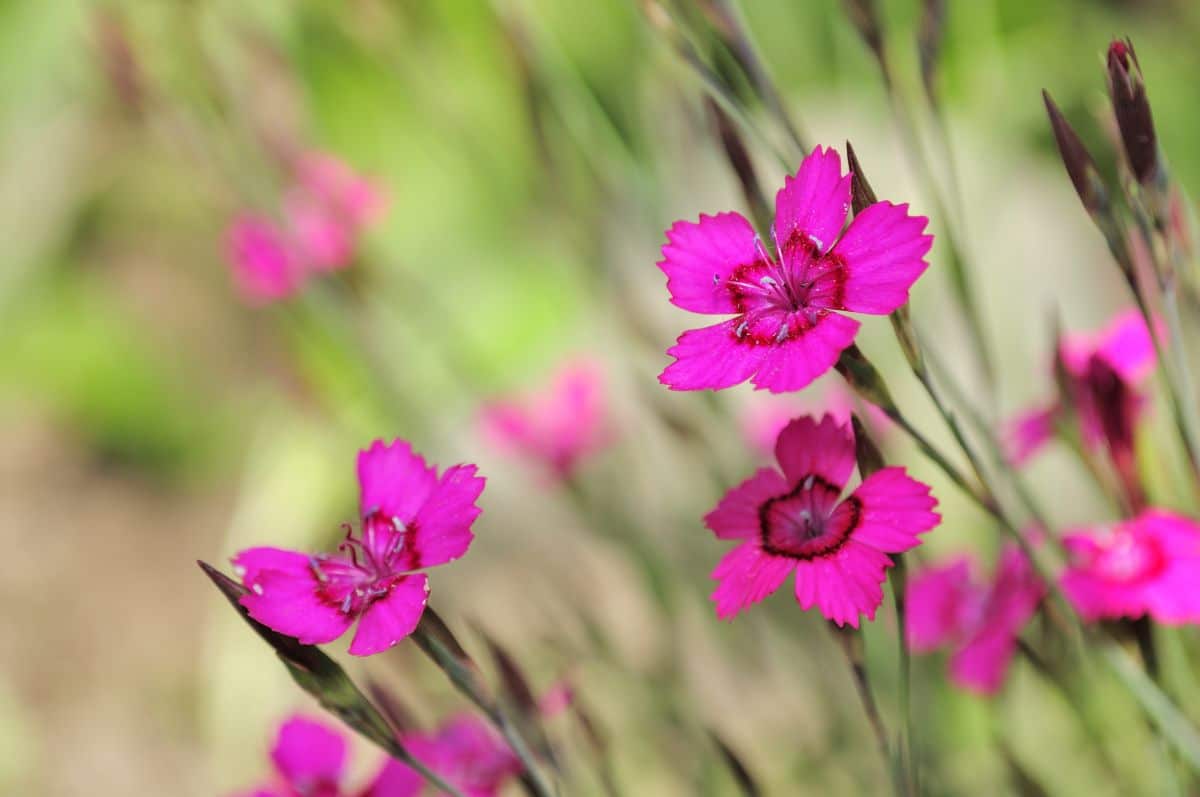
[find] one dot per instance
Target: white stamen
(808, 481)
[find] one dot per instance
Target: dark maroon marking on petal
(832, 545)
(736, 293)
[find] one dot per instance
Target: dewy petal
(699, 257)
(893, 508)
(284, 596)
(1026, 434)
(933, 602)
(843, 586)
(395, 780)
(808, 353)
(393, 480)
(441, 531)
(391, 618)
(825, 449)
(1125, 344)
(746, 575)
(736, 516)
(712, 358)
(814, 203)
(309, 754)
(883, 252)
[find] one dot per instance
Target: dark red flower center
(803, 523)
(366, 567)
(782, 297)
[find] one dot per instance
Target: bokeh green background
(533, 153)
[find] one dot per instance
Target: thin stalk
(850, 641)
(908, 748)
(465, 679)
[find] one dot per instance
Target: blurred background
(530, 154)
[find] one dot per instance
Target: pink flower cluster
(412, 519)
(310, 760)
(322, 216)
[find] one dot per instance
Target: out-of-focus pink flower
(265, 265)
(979, 621)
(785, 330)
(309, 760)
(557, 427)
(1146, 566)
(1103, 373)
(412, 520)
(763, 420)
(559, 697)
(792, 521)
(465, 752)
(325, 211)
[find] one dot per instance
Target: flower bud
(1127, 91)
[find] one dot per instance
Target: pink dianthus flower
(980, 621)
(465, 752)
(792, 521)
(412, 520)
(309, 759)
(785, 330)
(265, 265)
(1146, 566)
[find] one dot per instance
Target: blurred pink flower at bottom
(981, 622)
(465, 752)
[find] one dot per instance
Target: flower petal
(284, 596)
(712, 358)
(808, 353)
(265, 266)
(981, 663)
(441, 531)
(747, 575)
(394, 480)
(395, 780)
(812, 206)
(309, 754)
(825, 449)
(736, 516)
(933, 600)
(391, 618)
(1126, 345)
(883, 251)
(843, 586)
(700, 256)
(1026, 434)
(893, 509)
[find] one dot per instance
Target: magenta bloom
(557, 427)
(265, 265)
(1146, 566)
(785, 331)
(412, 519)
(327, 209)
(309, 759)
(465, 752)
(793, 521)
(1104, 371)
(979, 621)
